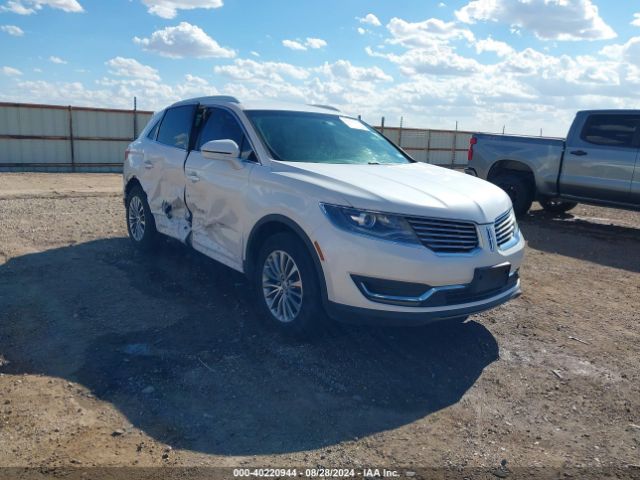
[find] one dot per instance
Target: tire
(298, 312)
(555, 206)
(519, 190)
(140, 222)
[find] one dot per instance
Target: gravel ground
(111, 358)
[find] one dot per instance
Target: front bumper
(356, 315)
(347, 255)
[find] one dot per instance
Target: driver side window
(221, 125)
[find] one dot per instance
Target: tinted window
(154, 131)
(611, 130)
(222, 125)
(175, 127)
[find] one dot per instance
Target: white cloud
(28, 7)
(439, 59)
(370, 19)
(636, 20)
(11, 72)
(169, 8)
(313, 43)
(254, 53)
(429, 49)
(547, 19)
(293, 45)
(426, 33)
(12, 30)
(184, 40)
(426, 71)
(129, 67)
(627, 52)
(343, 69)
(57, 60)
(114, 93)
(501, 49)
(252, 71)
(195, 80)
(361, 31)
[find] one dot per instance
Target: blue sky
(484, 63)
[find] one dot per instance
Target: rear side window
(154, 130)
(175, 127)
(611, 130)
(222, 125)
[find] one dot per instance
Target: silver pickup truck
(598, 163)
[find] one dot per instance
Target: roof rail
(212, 98)
(326, 107)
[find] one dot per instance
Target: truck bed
(543, 155)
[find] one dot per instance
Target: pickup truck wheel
(286, 286)
(518, 189)
(556, 206)
(140, 222)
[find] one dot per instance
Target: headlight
(373, 224)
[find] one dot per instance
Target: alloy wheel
(136, 218)
(282, 286)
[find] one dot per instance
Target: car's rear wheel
(519, 190)
(286, 286)
(556, 206)
(140, 223)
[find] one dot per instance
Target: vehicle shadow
(609, 245)
(172, 342)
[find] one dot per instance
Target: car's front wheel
(140, 223)
(286, 286)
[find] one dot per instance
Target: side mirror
(223, 150)
(220, 149)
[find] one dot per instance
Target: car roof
(611, 112)
(258, 104)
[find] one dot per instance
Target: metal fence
(447, 148)
(55, 138)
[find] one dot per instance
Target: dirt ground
(112, 358)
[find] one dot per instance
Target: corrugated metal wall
(439, 147)
(54, 138)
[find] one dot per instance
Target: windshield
(319, 138)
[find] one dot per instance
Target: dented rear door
(166, 196)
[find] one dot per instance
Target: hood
(408, 189)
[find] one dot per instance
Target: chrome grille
(445, 236)
(505, 226)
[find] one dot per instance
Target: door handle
(578, 153)
(148, 164)
(194, 177)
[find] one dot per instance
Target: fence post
(400, 133)
(428, 146)
(382, 125)
(135, 118)
(73, 155)
(454, 146)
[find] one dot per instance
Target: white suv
(322, 213)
